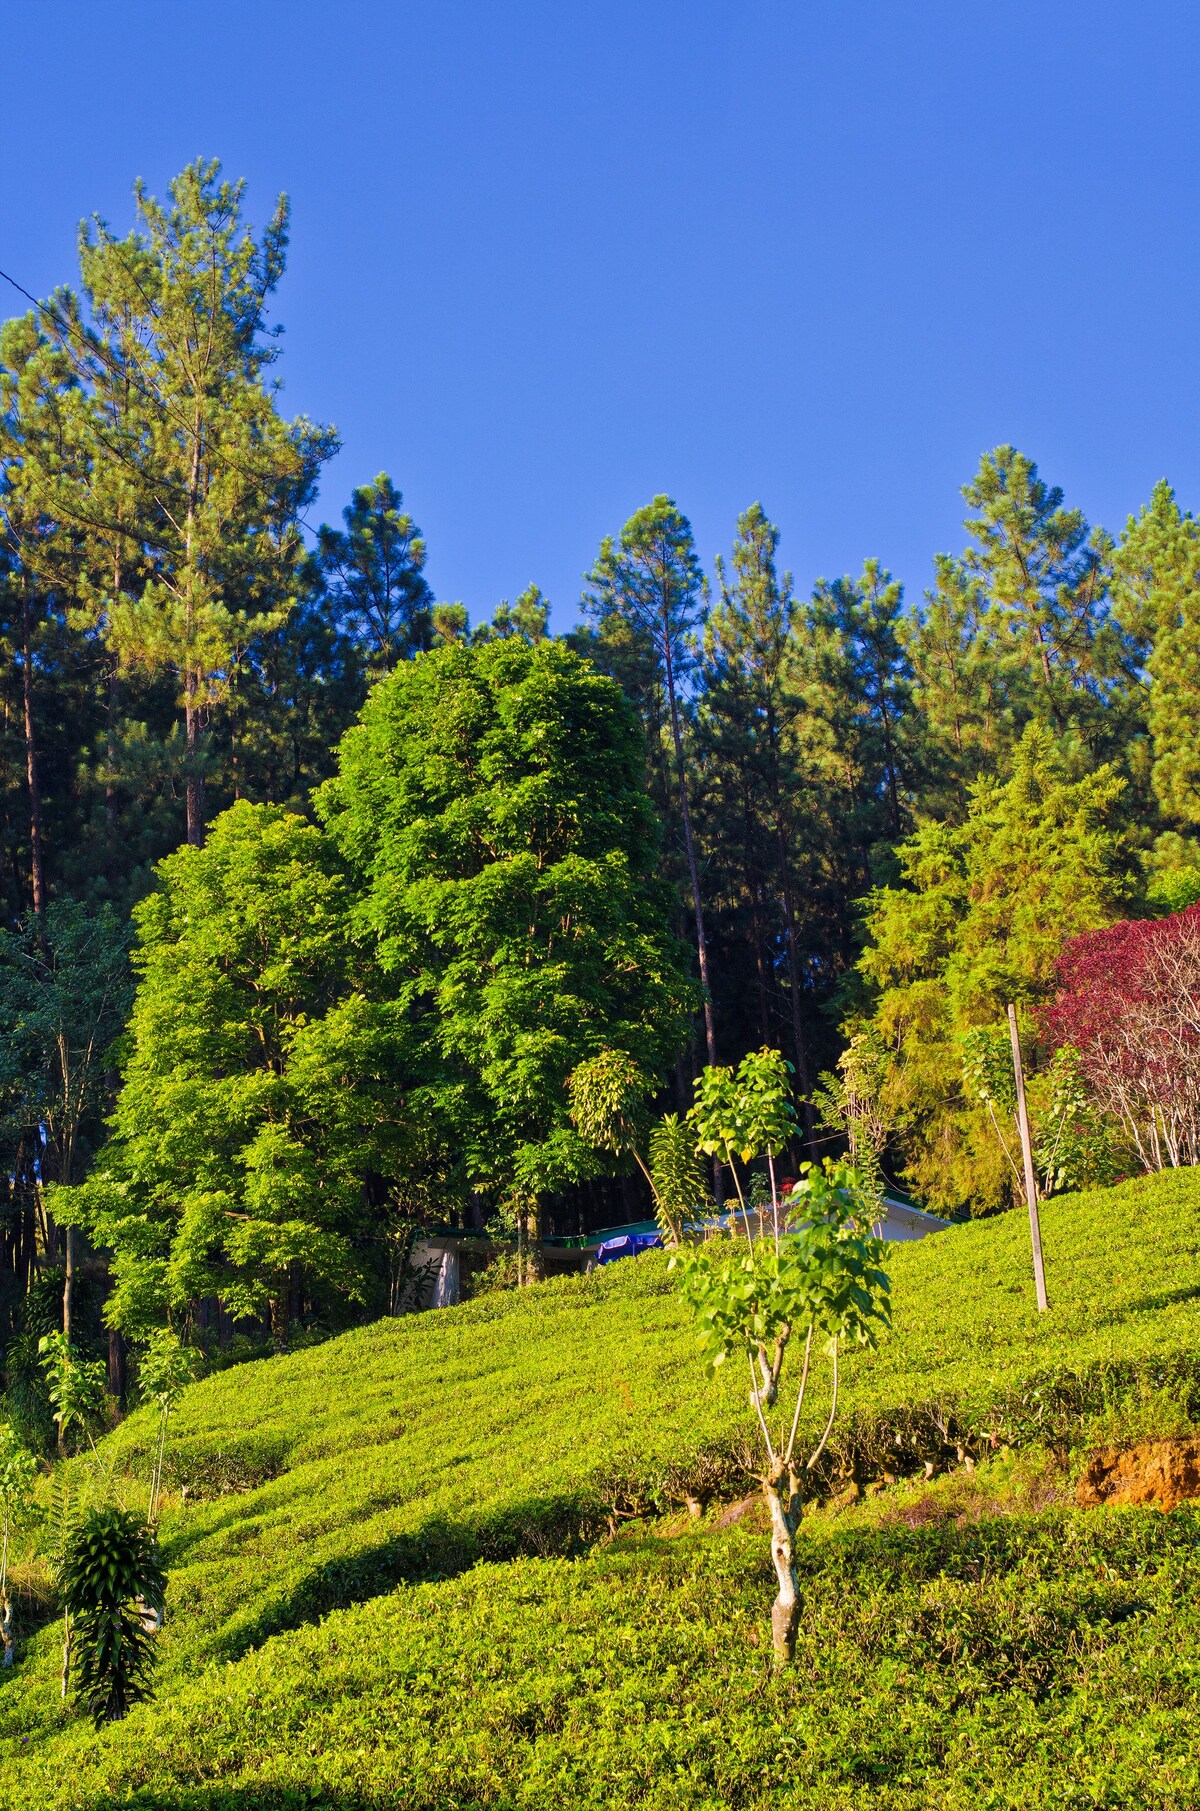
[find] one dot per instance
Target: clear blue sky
(549, 259)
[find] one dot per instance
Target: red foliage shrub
(1129, 1001)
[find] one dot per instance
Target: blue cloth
(626, 1245)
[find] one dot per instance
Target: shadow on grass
(541, 1528)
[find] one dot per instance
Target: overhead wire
(95, 348)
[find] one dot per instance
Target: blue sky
(549, 259)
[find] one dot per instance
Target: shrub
(112, 1587)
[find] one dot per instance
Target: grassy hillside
(974, 1647)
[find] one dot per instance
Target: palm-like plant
(112, 1585)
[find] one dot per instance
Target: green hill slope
(513, 1431)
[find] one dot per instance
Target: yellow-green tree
(982, 913)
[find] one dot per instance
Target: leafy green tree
(645, 588)
(237, 1166)
(76, 1388)
(867, 615)
(963, 679)
(755, 810)
(375, 571)
(676, 1176)
(979, 920)
(746, 1113)
(852, 1103)
(167, 1366)
(529, 618)
(823, 1286)
(112, 1585)
(491, 806)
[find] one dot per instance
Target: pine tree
(645, 597)
(1045, 574)
(375, 571)
(961, 685)
(174, 359)
(1157, 590)
(752, 808)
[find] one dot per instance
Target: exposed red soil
(1159, 1472)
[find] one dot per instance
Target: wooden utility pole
(1035, 1228)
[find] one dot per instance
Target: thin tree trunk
(195, 780)
(116, 1363)
(798, 1039)
(37, 867)
(1031, 1193)
(689, 843)
(69, 1283)
(279, 1319)
(781, 1490)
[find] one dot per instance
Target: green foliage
(65, 992)
(852, 1102)
(109, 1578)
(608, 1101)
(77, 1388)
(980, 919)
(639, 1669)
(1065, 660)
(1074, 1146)
(375, 573)
(745, 1113)
(18, 1472)
(825, 1277)
(240, 1132)
(676, 1176)
(492, 808)
(1157, 566)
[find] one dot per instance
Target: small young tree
(821, 1285)
(18, 1469)
(111, 1568)
(676, 1176)
(608, 1110)
(77, 1387)
(166, 1367)
(746, 1114)
(854, 1102)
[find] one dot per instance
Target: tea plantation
(443, 1561)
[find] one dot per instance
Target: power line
(96, 349)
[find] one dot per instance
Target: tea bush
(1044, 1661)
(462, 1455)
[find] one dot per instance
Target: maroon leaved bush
(1129, 1001)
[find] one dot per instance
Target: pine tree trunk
(689, 843)
(37, 867)
(195, 780)
(111, 828)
